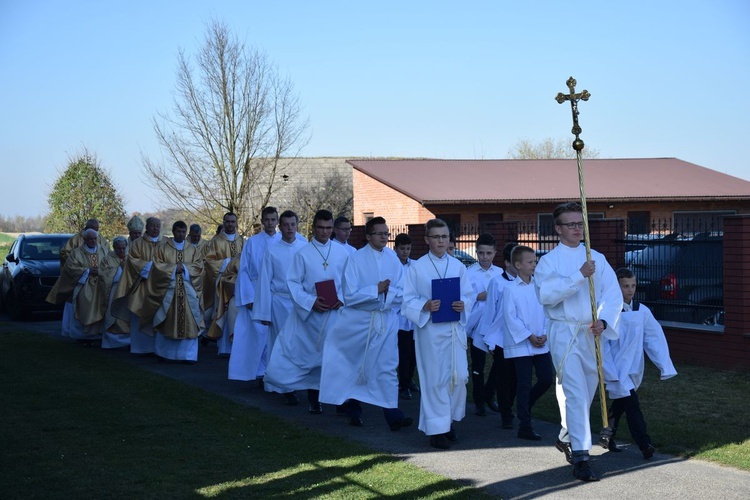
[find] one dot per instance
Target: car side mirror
(10, 258)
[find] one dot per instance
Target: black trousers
(631, 407)
(407, 358)
(527, 395)
(501, 380)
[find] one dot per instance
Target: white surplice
(523, 316)
(247, 360)
(273, 303)
(564, 293)
(297, 355)
(440, 347)
(492, 324)
(639, 332)
(360, 355)
(480, 280)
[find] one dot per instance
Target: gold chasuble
(108, 271)
(76, 241)
(89, 299)
(214, 253)
(130, 294)
(179, 315)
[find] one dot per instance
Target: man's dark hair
(229, 214)
(565, 208)
(507, 249)
(518, 251)
(372, 223)
(322, 215)
(268, 210)
(195, 228)
(179, 225)
(402, 239)
(487, 239)
(288, 213)
(624, 272)
(339, 220)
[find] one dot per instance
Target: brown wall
(398, 209)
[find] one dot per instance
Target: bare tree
(331, 192)
(548, 149)
(235, 125)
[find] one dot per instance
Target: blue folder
(448, 291)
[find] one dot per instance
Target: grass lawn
(6, 241)
(80, 425)
(700, 413)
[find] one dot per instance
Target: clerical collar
(446, 254)
(149, 238)
(230, 237)
(90, 250)
(316, 242)
(180, 245)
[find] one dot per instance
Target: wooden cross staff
(578, 145)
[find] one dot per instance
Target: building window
(487, 222)
(453, 221)
(639, 222)
(547, 223)
(692, 223)
(368, 216)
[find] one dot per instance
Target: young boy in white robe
(525, 340)
(440, 347)
(480, 274)
(360, 354)
(623, 357)
(562, 287)
(407, 360)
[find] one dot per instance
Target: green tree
(85, 191)
(235, 126)
(548, 149)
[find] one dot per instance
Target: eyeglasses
(573, 225)
(380, 234)
(344, 228)
(324, 228)
(439, 237)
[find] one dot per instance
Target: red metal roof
(501, 181)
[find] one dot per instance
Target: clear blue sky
(389, 78)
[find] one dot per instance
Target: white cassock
(623, 357)
(349, 249)
(360, 356)
(440, 347)
(273, 303)
(523, 316)
(480, 280)
(297, 356)
(492, 324)
(248, 361)
(564, 293)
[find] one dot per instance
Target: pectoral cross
(325, 265)
(574, 97)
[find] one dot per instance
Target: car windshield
(42, 249)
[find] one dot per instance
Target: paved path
(485, 456)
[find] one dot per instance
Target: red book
(327, 291)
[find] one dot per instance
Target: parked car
(29, 272)
(464, 257)
(682, 279)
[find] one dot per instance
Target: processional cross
(578, 145)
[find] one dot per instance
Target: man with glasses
(297, 356)
(440, 346)
(562, 287)
(342, 228)
(360, 356)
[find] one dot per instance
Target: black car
(682, 279)
(30, 270)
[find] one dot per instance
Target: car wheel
(13, 306)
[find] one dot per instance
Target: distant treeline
(21, 224)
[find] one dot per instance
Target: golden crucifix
(578, 145)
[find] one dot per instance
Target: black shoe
(404, 422)
(583, 471)
(315, 409)
(439, 441)
(404, 394)
(291, 399)
(492, 405)
(608, 443)
(481, 411)
(565, 448)
(528, 433)
(648, 451)
(507, 423)
(451, 435)
(356, 422)
(413, 386)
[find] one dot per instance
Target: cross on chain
(325, 265)
(574, 97)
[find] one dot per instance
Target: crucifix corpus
(578, 145)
